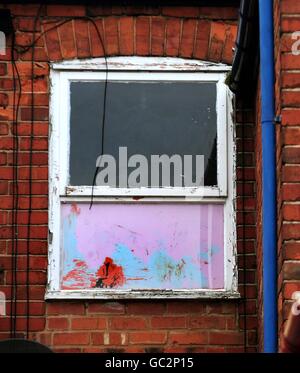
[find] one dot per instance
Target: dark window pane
(148, 118)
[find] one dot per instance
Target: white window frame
(139, 68)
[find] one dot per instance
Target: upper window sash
(63, 74)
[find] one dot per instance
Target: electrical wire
(28, 233)
(244, 230)
(15, 193)
(86, 18)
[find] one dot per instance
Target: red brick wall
(287, 95)
(191, 32)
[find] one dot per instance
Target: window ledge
(142, 294)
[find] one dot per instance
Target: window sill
(142, 294)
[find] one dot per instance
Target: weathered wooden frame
(59, 191)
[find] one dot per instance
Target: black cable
(13, 282)
(86, 18)
(28, 235)
(244, 228)
(15, 192)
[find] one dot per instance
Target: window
(160, 168)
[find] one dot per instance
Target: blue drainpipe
(268, 175)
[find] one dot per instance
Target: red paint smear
(109, 275)
(75, 209)
(78, 277)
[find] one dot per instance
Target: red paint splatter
(79, 277)
(109, 275)
(75, 209)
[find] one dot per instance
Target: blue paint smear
(131, 264)
(175, 274)
(161, 271)
(70, 251)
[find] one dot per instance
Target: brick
(52, 42)
(40, 99)
(35, 308)
(97, 338)
(37, 173)
(231, 31)
(202, 40)
(58, 323)
(291, 231)
(3, 129)
(290, 98)
(99, 10)
(67, 40)
(290, 62)
(111, 35)
(28, 24)
(290, 7)
(291, 212)
(173, 30)
(106, 308)
(290, 117)
(36, 187)
(145, 308)
(291, 192)
(35, 277)
(65, 308)
(82, 38)
(187, 38)
(37, 217)
(97, 43)
(142, 32)
(219, 12)
(75, 339)
(126, 36)
(3, 68)
(40, 114)
(40, 85)
(38, 129)
(226, 338)
(217, 39)
(115, 338)
(3, 158)
(291, 136)
(168, 322)
(291, 154)
(180, 11)
(251, 322)
(91, 323)
(66, 10)
(291, 270)
(158, 25)
(6, 84)
(289, 288)
(3, 187)
(24, 10)
(151, 337)
(186, 307)
(40, 143)
(290, 173)
(188, 338)
(291, 250)
(125, 323)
